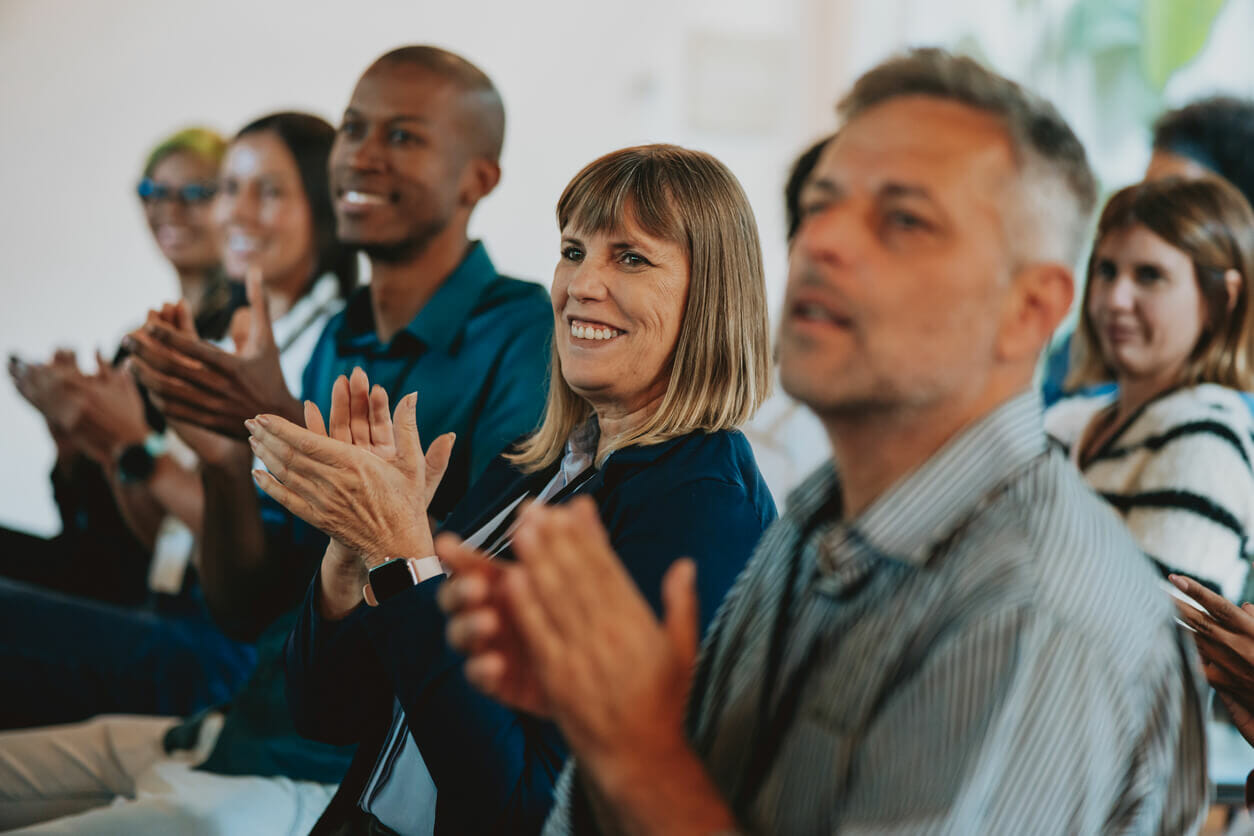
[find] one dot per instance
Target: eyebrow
(400, 117)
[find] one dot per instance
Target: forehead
(1140, 243)
(258, 154)
(395, 88)
(183, 166)
(960, 154)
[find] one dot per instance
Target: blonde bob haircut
(721, 368)
(1210, 222)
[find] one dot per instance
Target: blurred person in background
(97, 554)
(1209, 137)
(273, 220)
(1167, 316)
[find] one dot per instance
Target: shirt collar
(442, 319)
(925, 507)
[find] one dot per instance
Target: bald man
(419, 146)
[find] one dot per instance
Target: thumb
(438, 455)
(260, 331)
(679, 602)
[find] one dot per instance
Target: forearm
(674, 796)
(341, 578)
(171, 490)
(233, 566)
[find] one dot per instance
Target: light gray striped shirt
(983, 650)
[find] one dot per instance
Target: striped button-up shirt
(983, 650)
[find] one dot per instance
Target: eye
(1148, 274)
(271, 190)
(400, 136)
(810, 208)
(353, 128)
(230, 187)
(572, 254)
(903, 220)
(1105, 270)
(632, 259)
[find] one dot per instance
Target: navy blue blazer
(494, 768)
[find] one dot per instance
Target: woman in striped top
(1167, 316)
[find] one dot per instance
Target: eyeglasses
(193, 194)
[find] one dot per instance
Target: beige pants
(110, 775)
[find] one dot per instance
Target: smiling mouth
(354, 197)
(592, 331)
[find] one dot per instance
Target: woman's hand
(1224, 634)
(362, 478)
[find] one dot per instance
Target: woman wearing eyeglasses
(97, 555)
(270, 217)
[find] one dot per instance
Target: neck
(399, 290)
(1134, 393)
(193, 282)
(873, 449)
(614, 420)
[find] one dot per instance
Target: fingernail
(1179, 582)
(264, 421)
(250, 425)
(253, 443)
(257, 477)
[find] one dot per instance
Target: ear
(1040, 296)
(1232, 284)
(479, 178)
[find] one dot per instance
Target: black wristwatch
(392, 578)
(137, 462)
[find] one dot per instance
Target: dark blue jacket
(699, 495)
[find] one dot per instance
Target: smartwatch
(394, 576)
(137, 462)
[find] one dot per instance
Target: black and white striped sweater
(1181, 473)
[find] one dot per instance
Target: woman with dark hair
(1167, 316)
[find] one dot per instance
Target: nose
(1122, 294)
(366, 154)
(242, 206)
(828, 236)
(587, 284)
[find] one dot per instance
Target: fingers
(192, 348)
(1220, 608)
(260, 329)
(171, 387)
(183, 319)
(380, 419)
(337, 427)
(313, 419)
(405, 429)
(359, 407)
(175, 410)
(281, 494)
(679, 600)
(293, 444)
(438, 456)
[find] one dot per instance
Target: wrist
(415, 542)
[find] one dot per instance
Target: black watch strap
(136, 463)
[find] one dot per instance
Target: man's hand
(192, 381)
(365, 481)
(614, 678)
(1224, 634)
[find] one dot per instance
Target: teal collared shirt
(477, 354)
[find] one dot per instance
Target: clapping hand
(192, 381)
(362, 478)
(564, 633)
(1224, 634)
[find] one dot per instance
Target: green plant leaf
(1174, 32)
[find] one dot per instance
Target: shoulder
(1053, 547)
(1193, 428)
(510, 294)
(1066, 420)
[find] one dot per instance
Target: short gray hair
(1058, 190)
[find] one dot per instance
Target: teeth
(236, 241)
(587, 332)
(363, 199)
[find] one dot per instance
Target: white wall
(86, 87)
